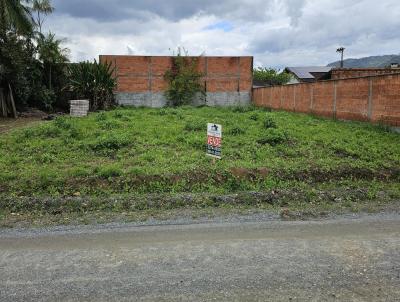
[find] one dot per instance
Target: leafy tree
(42, 8)
(93, 81)
(19, 68)
(15, 15)
(31, 63)
(183, 80)
(270, 76)
(51, 53)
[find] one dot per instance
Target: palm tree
(51, 52)
(15, 15)
(42, 9)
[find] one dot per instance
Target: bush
(273, 137)
(47, 97)
(269, 123)
(270, 76)
(108, 143)
(183, 80)
(63, 123)
(93, 81)
(236, 131)
(254, 117)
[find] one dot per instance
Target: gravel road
(342, 259)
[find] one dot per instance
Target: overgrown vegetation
(270, 76)
(183, 80)
(93, 81)
(111, 161)
(144, 151)
(36, 67)
(31, 63)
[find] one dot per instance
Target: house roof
(307, 72)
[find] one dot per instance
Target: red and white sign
(214, 140)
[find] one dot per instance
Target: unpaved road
(333, 260)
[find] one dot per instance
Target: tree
(19, 69)
(42, 8)
(270, 76)
(51, 53)
(15, 15)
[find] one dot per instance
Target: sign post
(214, 140)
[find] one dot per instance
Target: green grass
(140, 151)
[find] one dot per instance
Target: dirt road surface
(343, 259)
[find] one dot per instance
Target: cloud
(276, 32)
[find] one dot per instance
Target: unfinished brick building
(140, 80)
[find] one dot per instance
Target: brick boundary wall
(345, 73)
(372, 98)
(140, 80)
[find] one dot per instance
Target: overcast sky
(276, 32)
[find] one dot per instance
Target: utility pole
(341, 50)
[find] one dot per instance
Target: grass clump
(236, 131)
(195, 126)
(108, 171)
(108, 143)
(269, 123)
(273, 137)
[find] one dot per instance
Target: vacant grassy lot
(131, 151)
(152, 151)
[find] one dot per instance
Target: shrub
(270, 76)
(108, 143)
(236, 131)
(162, 112)
(48, 97)
(183, 80)
(269, 123)
(109, 125)
(254, 117)
(101, 117)
(93, 81)
(273, 137)
(62, 123)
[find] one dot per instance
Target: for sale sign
(214, 140)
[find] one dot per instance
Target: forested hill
(373, 61)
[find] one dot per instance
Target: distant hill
(373, 61)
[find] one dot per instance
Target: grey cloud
(276, 32)
(294, 9)
(105, 10)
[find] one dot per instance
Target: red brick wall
(386, 100)
(373, 98)
(146, 73)
(303, 98)
(345, 73)
(322, 100)
(352, 99)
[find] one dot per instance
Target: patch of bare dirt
(8, 124)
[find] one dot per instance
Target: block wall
(140, 80)
(346, 73)
(373, 98)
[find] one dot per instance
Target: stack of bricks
(79, 108)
